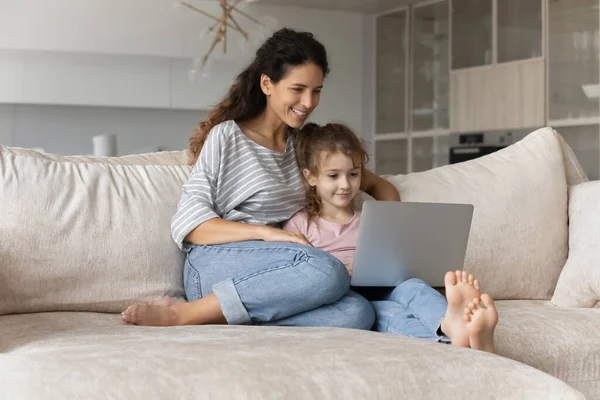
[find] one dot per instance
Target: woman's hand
(269, 234)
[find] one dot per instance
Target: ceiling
(364, 6)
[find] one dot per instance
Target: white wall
(135, 54)
(368, 87)
(69, 129)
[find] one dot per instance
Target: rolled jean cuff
(231, 305)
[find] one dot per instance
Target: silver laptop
(402, 240)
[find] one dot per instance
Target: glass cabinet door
(573, 60)
(471, 33)
(430, 67)
(391, 72)
(519, 30)
(420, 47)
(391, 157)
(430, 152)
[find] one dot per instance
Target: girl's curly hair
(314, 140)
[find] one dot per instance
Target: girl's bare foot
(461, 288)
(149, 315)
(481, 319)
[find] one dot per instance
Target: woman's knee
(312, 271)
(329, 275)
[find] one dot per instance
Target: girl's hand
(269, 234)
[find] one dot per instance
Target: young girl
(332, 161)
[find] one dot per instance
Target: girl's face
(296, 95)
(338, 180)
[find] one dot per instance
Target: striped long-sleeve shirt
(237, 179)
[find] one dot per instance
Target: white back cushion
(518, 241)
(86, 233)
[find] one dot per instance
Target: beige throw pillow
(518, 241)
(579, 281)
(85, 233)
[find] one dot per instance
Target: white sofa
(81, 238)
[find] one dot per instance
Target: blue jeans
(272, 283)
(413, 309)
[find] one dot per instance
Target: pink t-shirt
(337, 239)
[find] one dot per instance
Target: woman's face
(296, 95)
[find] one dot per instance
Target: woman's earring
(313, 188)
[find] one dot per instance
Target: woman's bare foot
(166, 302)
(481, 319)
(461, 288)
(150, 315)
(137, 312)
(169, 312)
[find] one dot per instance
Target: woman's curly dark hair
(245, 99)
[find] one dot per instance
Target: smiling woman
(297, 94)
(276, 91)
(241, 268)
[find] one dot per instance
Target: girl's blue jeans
(413, 308)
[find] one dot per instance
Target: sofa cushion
(102, 359)
(85, 233)
(178, 157)
(579, 281)
(562, 342)
(518, 241)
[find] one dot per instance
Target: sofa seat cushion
(91, 356)
(563, 342)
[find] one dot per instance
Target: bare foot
(149, 315)
(481, 319)
(166, 302)
(461, 288)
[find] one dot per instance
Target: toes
(125, 318)
(476, 284)
(129, 315)
(471, 279)
(467, 318)
(487, 301)
(465, 277)
(458, 274)
(473, 305)
(450, 279)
